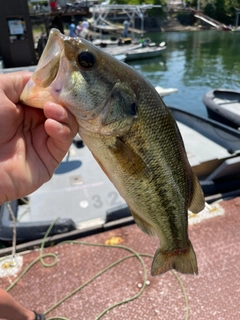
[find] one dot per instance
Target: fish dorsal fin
(135, 164)
(197, 203)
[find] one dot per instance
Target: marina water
(194, 63)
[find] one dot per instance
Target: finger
(13, 84)
(61, 114)
(60, 138)
(60, 132)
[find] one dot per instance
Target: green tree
(209, 10)
(222, 10)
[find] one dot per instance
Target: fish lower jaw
(36, 97)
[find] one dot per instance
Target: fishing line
(133, 254)
(40, 257)
(14, 240)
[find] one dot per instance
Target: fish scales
(153, 180)
(133, 137)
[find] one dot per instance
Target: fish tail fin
(182, 260)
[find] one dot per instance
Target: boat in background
(146, 52)
(223, 105)
(83, 201)
(213, 150)
(165, 91)
(137, 51)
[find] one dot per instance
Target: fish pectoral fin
(182, 260)
(136, 166)
(197, 202)
(143, 225)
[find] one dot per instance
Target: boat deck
(79, 190)
(200, 149)
(213, 294)
(227, 104)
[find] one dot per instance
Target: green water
(194, 62)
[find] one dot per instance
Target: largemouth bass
(131, 134)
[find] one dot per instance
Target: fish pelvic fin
(182, 260)
(197, 203)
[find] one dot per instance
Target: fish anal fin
(197, 203)
(143, 225)
(182, 260)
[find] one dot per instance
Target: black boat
(223, 105)
(213, 151)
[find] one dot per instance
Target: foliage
(153, 12)
(134, 2)
(222, 10)
(209, 10)
(156, 12)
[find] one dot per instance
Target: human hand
(32, 141)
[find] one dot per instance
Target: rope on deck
(132, 255)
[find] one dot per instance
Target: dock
(212, 22)
(102, 277)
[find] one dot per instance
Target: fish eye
(86, 59)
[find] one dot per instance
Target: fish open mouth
(49, 68)
(48, 64)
